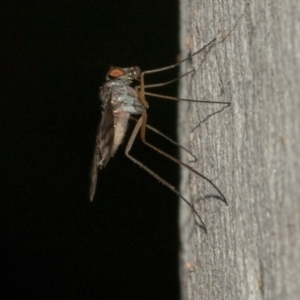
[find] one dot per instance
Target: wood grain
(250, 150)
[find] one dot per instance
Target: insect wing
(103, 146)
(94, 172)
(105, 135)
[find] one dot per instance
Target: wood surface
(250, 150)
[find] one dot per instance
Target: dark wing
(94, 172)
(104, 142)
(105, 136)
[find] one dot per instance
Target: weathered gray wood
(250, 150)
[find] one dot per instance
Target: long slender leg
(222, 198)
(143, 126)
(160, 179)
(142, 86)
(167, 138)
(143, 137)
(155, 85)
(180, 62)
(181, 99)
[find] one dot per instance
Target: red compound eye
(116, 72)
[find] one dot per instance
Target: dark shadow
(209, 116)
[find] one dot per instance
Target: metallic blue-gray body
(119, 101)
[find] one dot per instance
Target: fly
(120, 101)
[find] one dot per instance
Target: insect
(120, 101)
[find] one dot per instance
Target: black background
(55, 244)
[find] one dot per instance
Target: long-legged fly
(120, 101)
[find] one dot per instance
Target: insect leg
(152, 173)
